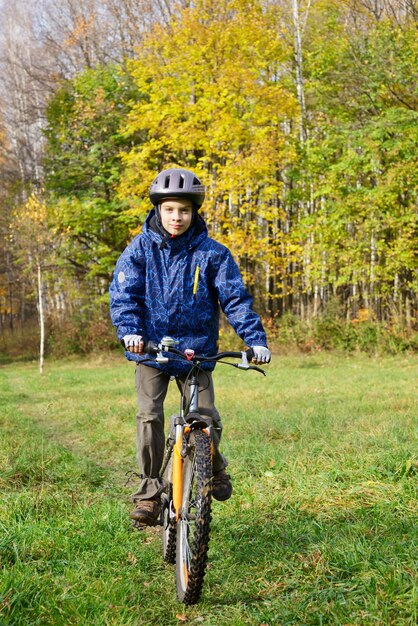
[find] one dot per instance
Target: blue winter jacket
(176, 291)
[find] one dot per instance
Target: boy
(170, 281)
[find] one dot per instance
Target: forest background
(299, 116)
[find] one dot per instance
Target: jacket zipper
(196, 279)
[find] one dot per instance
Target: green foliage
(361, 156)
(83, 166)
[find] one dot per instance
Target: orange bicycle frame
(178, 469)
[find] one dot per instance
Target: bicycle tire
(169, 529)
(193, 525)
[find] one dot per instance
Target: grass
(321, 528)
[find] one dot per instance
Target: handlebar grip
(250, 354)
(150, 347)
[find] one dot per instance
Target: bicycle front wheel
(193, 525)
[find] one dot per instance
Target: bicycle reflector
(189, 354)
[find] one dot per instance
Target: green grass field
(322, 527)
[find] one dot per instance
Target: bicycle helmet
(177, 183)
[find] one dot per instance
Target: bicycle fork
(178, 470)
(181, 430)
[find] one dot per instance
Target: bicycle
(186, 473)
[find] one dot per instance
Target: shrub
(334, 333)
(85, 332)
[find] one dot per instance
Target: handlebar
(153, 348)
(167, 344)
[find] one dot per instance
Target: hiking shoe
(221, 486)
(146, 511)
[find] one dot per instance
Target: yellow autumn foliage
(213, 102)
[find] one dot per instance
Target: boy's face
(176, 215)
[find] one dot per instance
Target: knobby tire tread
(169, 555)
(169, 550)
(200, 546)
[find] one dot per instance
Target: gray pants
(151, 388)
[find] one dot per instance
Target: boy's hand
(261, 355)
(134, 343)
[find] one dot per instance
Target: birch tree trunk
(373, 262)
(297, 38)
(41, 320)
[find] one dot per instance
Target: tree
(362, 86)
(214, 101)
(35, 245)
(83, 166)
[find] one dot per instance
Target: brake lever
(244, 365)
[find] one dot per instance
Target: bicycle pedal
(136, 525)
